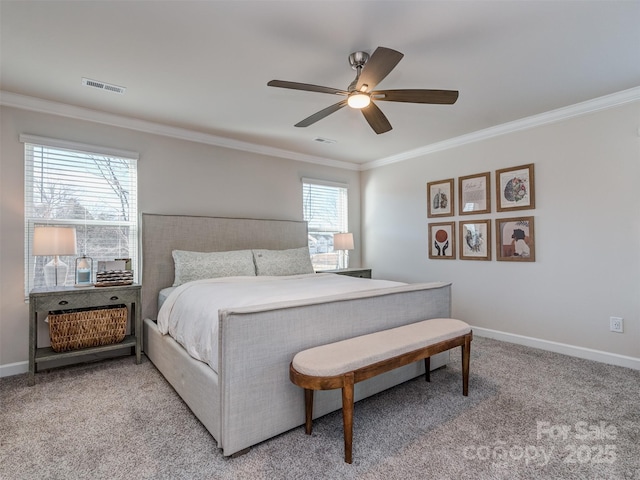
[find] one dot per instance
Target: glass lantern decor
(84, 271)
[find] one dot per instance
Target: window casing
(90, 188)
(325, 206)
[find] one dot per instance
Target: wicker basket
(71, 330)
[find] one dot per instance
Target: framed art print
(442, 241)
(474, 194)
(474, 239)
(515, 189)
(515, 239)
(440, 198)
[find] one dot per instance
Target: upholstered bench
(342, 364)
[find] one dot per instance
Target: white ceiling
(204, 65)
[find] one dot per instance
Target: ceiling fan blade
(306, 87)
(321, 114)
(443, 97)
(376, 119)
(382, 61)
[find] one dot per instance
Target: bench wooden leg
(347, 380)
(466, 353)
(347, 415)
(308, 410)
(427, 369)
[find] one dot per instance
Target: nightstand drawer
(352, 272)
(364, 273)
(85, 298)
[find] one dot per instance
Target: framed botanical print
(474, 239)
(515, 188)
(474, 194)
(440, 198)
(442, 241)
(515, 239)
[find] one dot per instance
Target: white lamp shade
(54, 241)
(343, 241)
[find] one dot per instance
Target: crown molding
(80, 113)
(39, 105)
(553, 116)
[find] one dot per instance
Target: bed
(250, 398)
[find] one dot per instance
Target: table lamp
(343, 242)
(54, 241)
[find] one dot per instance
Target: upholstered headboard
(161, 234)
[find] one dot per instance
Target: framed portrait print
(440, 198)
(474, 194)
(442, 241)
(474, 239)
(515, 239)
(515, 188)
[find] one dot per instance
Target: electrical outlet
(616, 324)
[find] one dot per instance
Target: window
(325, 207)
(89, 188)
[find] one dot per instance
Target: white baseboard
(571, 350)
(14, 369)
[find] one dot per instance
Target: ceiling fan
(361, 94)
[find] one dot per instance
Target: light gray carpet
(530, 414)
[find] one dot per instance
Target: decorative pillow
(294, 261)
(191, 266)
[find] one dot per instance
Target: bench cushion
(354, 353)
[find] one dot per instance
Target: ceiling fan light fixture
(361, 93)
(358, 100)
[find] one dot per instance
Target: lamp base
(343, 259)
(55, 273)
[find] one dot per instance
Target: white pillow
(191, 266)
(294, 261)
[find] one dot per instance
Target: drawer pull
(63, 302)
(113, 298)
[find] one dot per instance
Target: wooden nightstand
(42, 301)
(352, 272)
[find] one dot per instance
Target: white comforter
(190, 312)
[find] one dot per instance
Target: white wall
(587, 219)
(587, 231)
(174, 177)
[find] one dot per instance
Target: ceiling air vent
(103, 86)
(323, 140)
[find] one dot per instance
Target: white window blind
(325, 207)
(90, 188)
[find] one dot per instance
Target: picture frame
(127, 262)
(474, 239)
(515, 188)
(474, 194)
(515, 239)
(442, 241)
(440, 199)
(111, 265)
